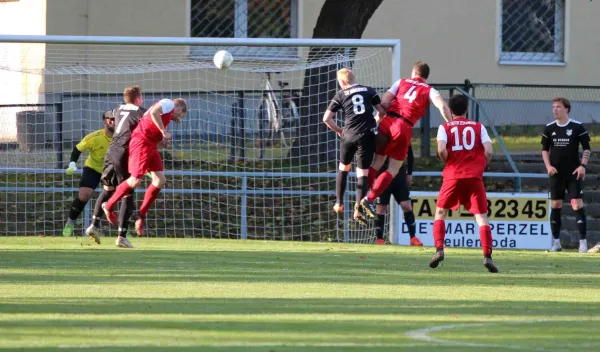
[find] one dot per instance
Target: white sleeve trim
(167, 105)
(485, 137)
(394, 88)
(442, 135)
(433, 93)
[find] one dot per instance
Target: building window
(245, 19)
(532, 32)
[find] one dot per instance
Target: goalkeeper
(97, 144)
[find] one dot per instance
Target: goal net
(252, 159)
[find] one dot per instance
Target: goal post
(252, 159)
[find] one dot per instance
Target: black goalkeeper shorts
(90, 178)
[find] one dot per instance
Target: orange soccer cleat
(415, 242)
(338, 208)
(380, 241)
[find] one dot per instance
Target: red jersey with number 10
(464, 143)
(412, 98)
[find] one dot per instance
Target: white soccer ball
(223, 59)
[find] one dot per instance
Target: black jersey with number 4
(357, 102)
(127, 117)
(563, 144)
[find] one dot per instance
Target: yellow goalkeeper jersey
(97, 144)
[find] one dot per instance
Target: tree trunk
(316, 144)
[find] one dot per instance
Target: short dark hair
(108, 114)
(458, 104)
(564, 101)
(422, 69)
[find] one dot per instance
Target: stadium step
(592, 211)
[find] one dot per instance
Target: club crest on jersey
(569, 132)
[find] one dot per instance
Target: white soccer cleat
(556, 247)
(595, 249)
(583, 247)
(94, 233)
(123, 242)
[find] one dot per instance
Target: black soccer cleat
(368, 207)
(359, 215)
(436, 259)
(489, 264)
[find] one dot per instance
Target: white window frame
(241, 31)
(538, 58)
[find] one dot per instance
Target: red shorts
(468, 192)
(143, 158)
(399, 133)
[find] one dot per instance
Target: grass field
(219, 295)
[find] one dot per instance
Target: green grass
(231, 295)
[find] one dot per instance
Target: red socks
(381, 184)
(149, 198)
(122, 190)
(439, 233)
(485, 235)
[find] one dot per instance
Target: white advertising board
(517, 220)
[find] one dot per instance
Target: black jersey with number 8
(357, 102)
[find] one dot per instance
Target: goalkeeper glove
(72, 168)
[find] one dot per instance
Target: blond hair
(345, 75)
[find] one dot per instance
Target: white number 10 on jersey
(465, 140)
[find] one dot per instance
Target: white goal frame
(394, 46)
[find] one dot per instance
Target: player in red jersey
(406, 101)
(144, 157)
(466, 148)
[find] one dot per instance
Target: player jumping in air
(466, 148)
(560, 151)
(127, 117)
(144, 157)
(358, 102)
(407, 101)
(97, 144)
(399, 189)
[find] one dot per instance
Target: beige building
(461, 39)
(485, 41)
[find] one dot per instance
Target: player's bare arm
(330, 122)
(380, 112)
(549, 168)
(387, 100)
(488, 151)
(155, 113)
(440, 103)
(442, 151)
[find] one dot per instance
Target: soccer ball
(223, 59)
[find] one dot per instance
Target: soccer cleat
(94, 233)
(68, 230)
(338, 208)
(489, 264)
(436, 259)
(415, 242)
(111, 216)
(368, 207)
(556, 247)
(139, 226)
(358, 215)
(595, 249)
(583, 247)
(380, 241)
(123, 242)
